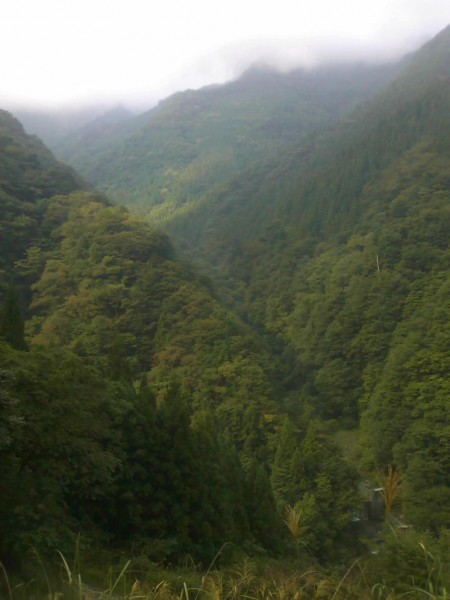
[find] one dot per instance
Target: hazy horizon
(100, 53)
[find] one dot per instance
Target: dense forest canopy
(28, 173)
(166, 160)
(244, 375)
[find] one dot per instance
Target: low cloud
(103, 51)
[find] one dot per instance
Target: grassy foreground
(247, 579)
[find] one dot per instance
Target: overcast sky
(59, 52)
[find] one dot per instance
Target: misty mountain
(330, 237)
(314, 186)
(171, 156)
(327, 230)
(53, 125)
(340, 251)
(121, 374)
(28, 173)
(55, 232)
(162, 412)
(96, 135)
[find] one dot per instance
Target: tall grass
(244, 580)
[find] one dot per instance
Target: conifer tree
(11, 320)
(281, 479)
(262, 513)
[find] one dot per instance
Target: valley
(223, 324)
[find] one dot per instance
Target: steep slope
(52, 126)
(353, 275)
(28, 173)
(111, 281)
(338, 250)
(92, 277)
(315, 183)
(195, 140)
(135, 367)
(384, 154)
(122, 410)
(138, 410)
(84, 143)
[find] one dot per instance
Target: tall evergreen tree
(281, 479)
(11, 320)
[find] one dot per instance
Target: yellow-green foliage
(246, 579)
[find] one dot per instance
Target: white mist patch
(97, 50)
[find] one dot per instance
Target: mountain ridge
(164, 412)
(194, 138)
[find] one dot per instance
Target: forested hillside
(166, 161)
(136, 409)
(123, 344)
(28, 173)
(351, 273)
(314, 185)
(54, 125)
(155, 409)
(333, 248)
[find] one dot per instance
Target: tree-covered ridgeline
(136, 409)
(166, 161)
(28, 173)
(141, 411)
(87, 444)
(362, 300)
(354, 278)
(112, 282)
(339, 253)
(334, 249)
(91, 455)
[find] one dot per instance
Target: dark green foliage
(81, 453)
(11, 319)
(95, 452)
(148, 415)
(261, 507)
(407, 418)
(166, 162)
(10, 415)
(112, 291)
(56, 458)
(11, 420)
(282, 476)
(310, 473)
(28, 173)
(408, 562)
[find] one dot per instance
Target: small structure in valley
(372, 507)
